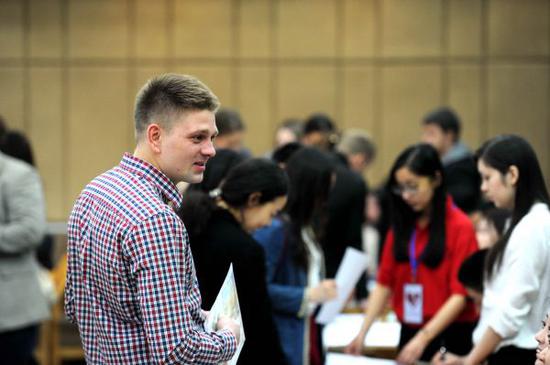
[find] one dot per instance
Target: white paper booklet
(352, 266)
(342, 359)
(227, 303)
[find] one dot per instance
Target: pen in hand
(442, 353)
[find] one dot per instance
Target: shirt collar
(144, 169)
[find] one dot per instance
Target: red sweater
(438, 283)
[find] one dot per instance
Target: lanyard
(412, 255)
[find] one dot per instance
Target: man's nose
(208, 149)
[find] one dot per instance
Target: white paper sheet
(341, 359)
(227, 303)
(352, 266)
(345, 327)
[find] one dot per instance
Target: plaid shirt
(131, 284)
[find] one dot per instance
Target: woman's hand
(449, 359)
(413, 350)
(355, 347)
(324, 292)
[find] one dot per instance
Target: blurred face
(486, 234)
(232, 141)
(417, 191)
(358, 162)
(284, 136)
(435, 136)
(259, 215)
(184, 149)
(498, 188)
(543, 355)
(317, 139)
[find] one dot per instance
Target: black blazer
(224, 242)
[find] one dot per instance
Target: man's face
(187, 145)
(434, 135)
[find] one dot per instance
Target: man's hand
(224, 322)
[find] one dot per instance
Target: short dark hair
(285, 152)
(446, 119)
(228, 121)
(165, 95)
(319, 123)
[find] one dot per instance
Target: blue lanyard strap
(412, 255)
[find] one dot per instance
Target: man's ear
(512, 176)
(153, 136)
(254, 199)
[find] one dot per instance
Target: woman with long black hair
(428, 241)
(517, 274)
(295, 261)
(220, 224)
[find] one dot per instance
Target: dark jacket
(224, 242)
(462, 178)
(344, 228)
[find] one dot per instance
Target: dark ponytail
(256, 175)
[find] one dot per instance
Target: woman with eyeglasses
(428, 241)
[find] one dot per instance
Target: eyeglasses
(400, 190)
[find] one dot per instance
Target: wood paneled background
(69, 70)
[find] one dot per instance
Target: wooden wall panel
(151, 40)
(203, 28)
(408, 35)
(12, 96)
(255, 100)
(359, 98)
(408, 92)
(465, 98)
(464, 34)
(11, 29)
(46, 131)
(98, 29)
(360, 28)
(97, 125)
(306, 28)
(379, 65)
(45, 33)
(519, 27)
(303, 90)
(254, 29)
(518, 103)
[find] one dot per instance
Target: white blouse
(316, 266)
(517, 297)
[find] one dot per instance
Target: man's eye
(197, 138)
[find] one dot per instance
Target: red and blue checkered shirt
(131, 284)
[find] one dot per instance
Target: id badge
(412, 303)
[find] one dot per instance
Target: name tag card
(412, 303)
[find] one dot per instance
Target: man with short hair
(441, 129)
(131, 284)
(358, 149)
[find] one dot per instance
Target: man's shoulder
(126, 193)
(13, 168)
